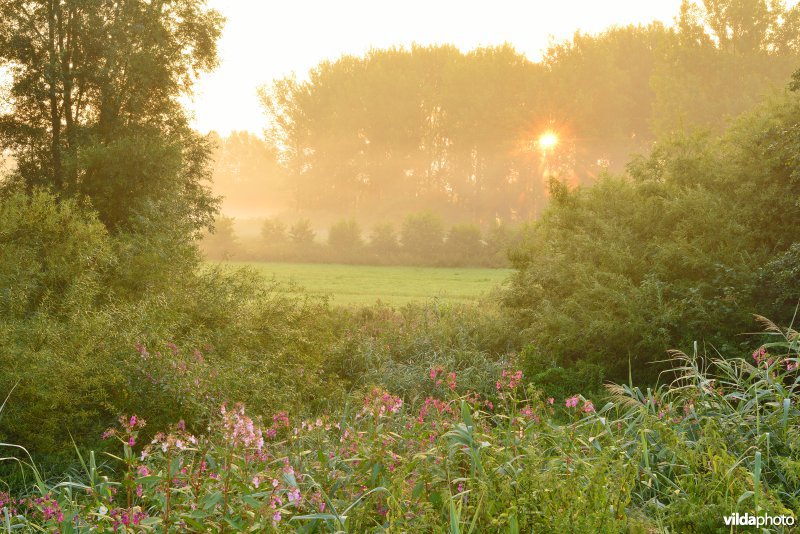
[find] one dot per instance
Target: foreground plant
(720, 439)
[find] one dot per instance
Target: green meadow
(350, 285)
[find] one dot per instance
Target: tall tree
(96, 112)
(720, 59)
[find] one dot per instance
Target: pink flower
(550, 400)
(571, 402)
(588, 407)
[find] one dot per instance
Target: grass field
(366, 284)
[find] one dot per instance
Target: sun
(548, 140)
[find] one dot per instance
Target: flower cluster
(48, 507)
(379, 402)
(9, 503)
(240, 430)
(435, 374)
(509, 380)
(765, 360)
(123, 517)
(572, 402)
(128, 429)
(762, 358)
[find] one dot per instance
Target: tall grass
(720, 437)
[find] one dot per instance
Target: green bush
(561, 382)
(301, 233)
(680, 458)
(692, 241)
(464, 245)
(422, 235)
(383, 240)
(345, 236)
(273, 232)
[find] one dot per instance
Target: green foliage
(464, 244)
(301, 233)
(680, 247)
(95, 110)
(345, 236)
(393, 348)
(717, 441)
(273, 232)
(422, 235)
(561, 382)
(384, 239)
(74, 304)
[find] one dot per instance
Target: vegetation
(550, 405)
(718, 439)
(405, 130)
(698, 236)
(420, 241)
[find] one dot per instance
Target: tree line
(422, 238)
(405, 129)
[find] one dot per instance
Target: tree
(345, 236)
(422, 235)
(301, 233)
(273, 232)
(720, 59)
(402, 130)
(464, 244)
(96, 111)
(384, 239)
(698, 236)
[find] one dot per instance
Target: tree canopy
(96, 111)
(402, 130)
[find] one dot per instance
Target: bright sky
(269, 39)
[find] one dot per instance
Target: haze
(263, 41)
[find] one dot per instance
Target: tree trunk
(55, 115)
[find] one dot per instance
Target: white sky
(265, 40)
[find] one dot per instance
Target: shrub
(273, 232)
(464, 245)
(301, 233)
(422, 235)
(560, 382)
(384, 239)
(719, 440)
(673, 249)
(345, 236)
